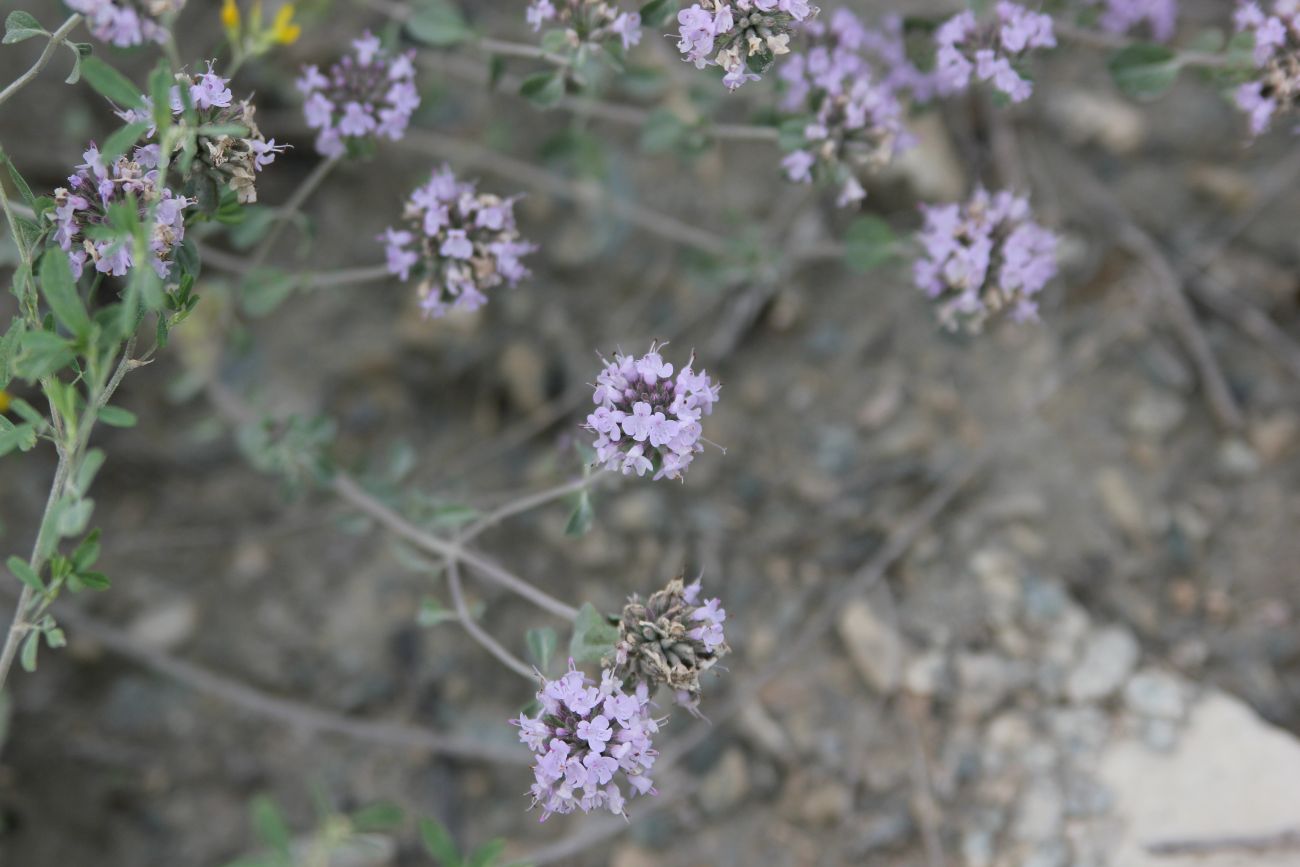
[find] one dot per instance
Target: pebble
(1156, 414)
(1274, 436)
(1154, 693)
(726, 784)
(166, 626)
(1237, 460)
(1121, 503)
(874, 645)
(1109, 654)
(984, 680)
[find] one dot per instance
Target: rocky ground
(1092, 650)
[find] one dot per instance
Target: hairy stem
(56, 39)
(508, 659)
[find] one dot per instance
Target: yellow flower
(230, 15)
(283, 30)
(4, 400)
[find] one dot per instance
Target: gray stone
(1156, 414)
(1155, 693)
(874, 645)
(1237, 460)
(1121, 503)
(1109, 654)
(166, 626)
(983, 679)
(726, 784)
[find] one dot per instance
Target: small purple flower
(967, 48)
(1123, 16)
(581, 752)
(459, 242)
(645, 419)
(669, 640)
(587, 22)
(855, 115)
(984, 257)
(126, 23)
(365, 95)
(743, 37)
(1275, 87)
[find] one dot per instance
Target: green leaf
(25, 573)
(74, 518)
(270, 824)
(869, 243)
(544, 90)
(438, 843)
(85, 554)
(21, 437)
(41, 353)
(31, 644)
(487, 854)
(60, 291)
(1144, 70)
(89, 468)
(266, 289)
(54, 638)
(657, 13)
(80, 51)
(593, 635)
(120, 141)
(432, 612)
(115, 416)
(19, 182)
(581, 518)
(438, 23)
(94, 580)
(377, 817)
(20, 26)
(541, 644)
(110, 83)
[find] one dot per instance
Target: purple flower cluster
(1160, 16)
(366, 95)
(458, 241)
(967, 47)
(1276, 86)
(126, 22)
(647, 420)
(587, 22)
(584, 736)
(82, 207)
(670, 639)
(856, 118)
(743, 37)
(982, 257)
(230, 161)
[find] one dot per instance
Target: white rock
(874, 646)
(1230, 775)
(1109, 655)
(165, 626)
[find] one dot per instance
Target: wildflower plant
(743, 37)
(850, 119)
(1275, 85)
(367, 95)
(984, 257)
(670, 640)
(108, 264)
(646, 419)
(457, 242)
(970, 49)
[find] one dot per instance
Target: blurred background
(1086, 648)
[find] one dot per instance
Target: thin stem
(527, 503)
(56, 39)
(236, 264)
(1101, 39)
(520, 49)
(508, 659)
(291, 208)
(19, 625)
(347, 487)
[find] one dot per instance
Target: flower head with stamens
(588, 739)
(125, 23)
(968, 48)
(231, 149)
(458, 242)
(1276, 85)
(669, 640)
(587, 22)
(984, 257)
(366, 95)
(81, 213)
(646, 419)
(743, 37)
(854, 118)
